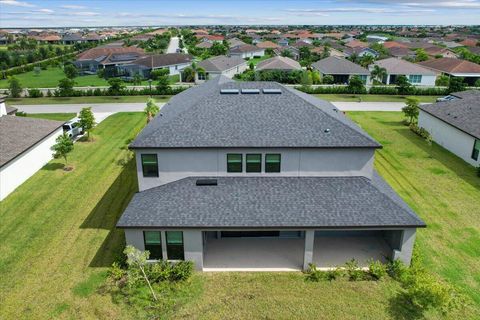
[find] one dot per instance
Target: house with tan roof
(268, 45)
(394, 44)
(416, 75)
(469, 71)
(469, 42)
(356, 44)
(278, 63)
(90, 61)
(436, 51)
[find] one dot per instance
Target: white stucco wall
(230, 73)
(251, 54)
(175, 69)
(449, 137)
(15, 173)
(174, 164)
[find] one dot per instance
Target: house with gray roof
(278, 63)
(246, 51)
(455, 124)
(416, 74)
(220, 65)
(255, 176)
(24, 147)
(341, 69)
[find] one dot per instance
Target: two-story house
(259, 176)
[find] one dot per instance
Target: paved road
(173, 45)
(126, 107)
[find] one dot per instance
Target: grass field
(53, 116)
(257, 60)
(57, 237)
(70, 100)
(372, 98)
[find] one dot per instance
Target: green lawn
(57, 237)
(257, 60)
(69, 100)
(53, 116)
(373, 98)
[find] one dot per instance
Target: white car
(446, 98)
(72, 128)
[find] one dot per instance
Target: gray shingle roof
(270, 202)
(161, 60)
(245, 48)
(400, 66)
(278, 63)
(18, 134)
(337, 65)
(203, 117)
(463, 113)
(221, 63)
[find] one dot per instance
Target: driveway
(173, 45)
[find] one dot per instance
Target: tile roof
(394, 44)
(400, 52)
(285, 202)
(221, 63)
(356, 43)
(337, 65)
(463, 113)
(452, 66)
(400, 66)
(267, 45)
(204, 117)
(18, 134)
(278, 63)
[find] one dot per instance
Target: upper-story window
(234, 162)
(149, 165)
(476, 150)
(254, 162)
(272, 162)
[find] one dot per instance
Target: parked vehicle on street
(72, 128)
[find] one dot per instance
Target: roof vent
(250, 91)
(206, 182)
(326, 130)
(229, 91)
(272, 91)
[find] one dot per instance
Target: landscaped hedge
(373, 90)
(125, 92)
(41, 64)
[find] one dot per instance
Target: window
(272, 162)
(175, 245)
(363, 78)
(254, 163)
(476, 150)
(201, 76)
(153, 243)
(234, 162)
(415, 78)
(150, 165)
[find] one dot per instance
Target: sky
(62, 13)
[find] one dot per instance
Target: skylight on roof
(272, 91)
(229, 91)
(250, 91)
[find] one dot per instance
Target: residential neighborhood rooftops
(463, 113)
(98, 52)
(201, 117)
(452, 66)
(245, 48)
(278, 63)
(400, 66)
(221, 63)
(160, 60)
(337, 65)
(18, 134)
(290, 202)
(267, 45)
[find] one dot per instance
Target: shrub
(397, 270)
(34, 93)
(383, 90)
(377, 270)
(21, 114)
(328, 79)
(352, 270)
(181, 271)
(478, 171)
(313, 274)
(333, 274)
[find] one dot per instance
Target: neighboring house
(341, 69)
(102, 57)
(260, 176)
(73, 38)
(221, 65)
(283, 42)
(394, 44)
(268, 45)
(371, 38)
(435, 51)
(360, 52)
(469, 71)
(24, 147)
(416, 75)
(174, 62)
(204, 45)
(247, 51)
(278, 63)
(356, 44)
(469, 42)
(455, 124)
(235, 42)
(401, 52)
(294, 52)
(331, 51)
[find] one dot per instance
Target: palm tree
(190, 73)
(151, 110)
(378, 73)
(366, 60)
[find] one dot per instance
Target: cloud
(325, 11)
(16, 3)
(46, 11)
(72, 6)
(84, 13)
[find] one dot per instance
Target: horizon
(88, 13)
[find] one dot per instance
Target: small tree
(14, 87)
(36, 71)
(442, 81)
(328, 79)
(378, 73)
(420, 55)
(163, 84)
(116, 86)
(62, 147)
(65, 87)
(87, 120)
(355, 85)
(138, 259)
(456, 84)
(411, 110)
(403, 85)
(70, 71)
(151, 109)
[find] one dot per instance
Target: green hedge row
(415, 91)
(41, 64)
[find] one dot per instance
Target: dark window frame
(175, 247)
(156, 253)
(229, 169)
(144, 172)
(476, 149)
(268, 166)
(257, 170)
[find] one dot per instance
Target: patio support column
(164, 245)
(405, 251)
(308, 251)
